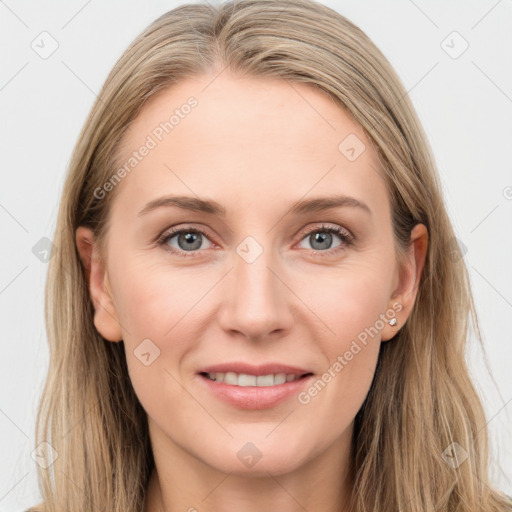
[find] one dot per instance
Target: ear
(408, 277)
(105, 315)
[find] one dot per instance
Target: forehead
(231, 137)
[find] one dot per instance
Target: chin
(259, 458)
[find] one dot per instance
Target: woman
(256, 299)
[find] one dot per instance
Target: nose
(255, 298)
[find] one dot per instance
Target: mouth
(260, 388)
(250, 380)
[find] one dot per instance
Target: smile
(245, 379)
(247, 393)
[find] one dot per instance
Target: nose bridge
(256, 300)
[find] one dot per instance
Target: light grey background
(464, 103)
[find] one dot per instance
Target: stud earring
(392, 321)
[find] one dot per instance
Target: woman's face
(259, 278)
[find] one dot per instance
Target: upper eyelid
(327, 226)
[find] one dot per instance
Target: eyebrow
(211, 207)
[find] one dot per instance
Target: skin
(255, 145)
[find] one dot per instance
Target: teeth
(243, 379)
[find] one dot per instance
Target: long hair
(421, 400)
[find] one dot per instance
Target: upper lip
(262, 369)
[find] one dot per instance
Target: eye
(190, 240)
(187, 240)
(321, 238)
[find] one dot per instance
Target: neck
(182, 482)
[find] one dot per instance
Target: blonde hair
(422, 398)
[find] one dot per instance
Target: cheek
(348, 300)
(157, 315)
(151, 299)
(349, 314)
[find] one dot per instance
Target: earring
(392, 321)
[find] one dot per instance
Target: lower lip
(255, 397)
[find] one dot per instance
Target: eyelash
(346, 239)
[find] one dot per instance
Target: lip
(263, 369)
(254, 397)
